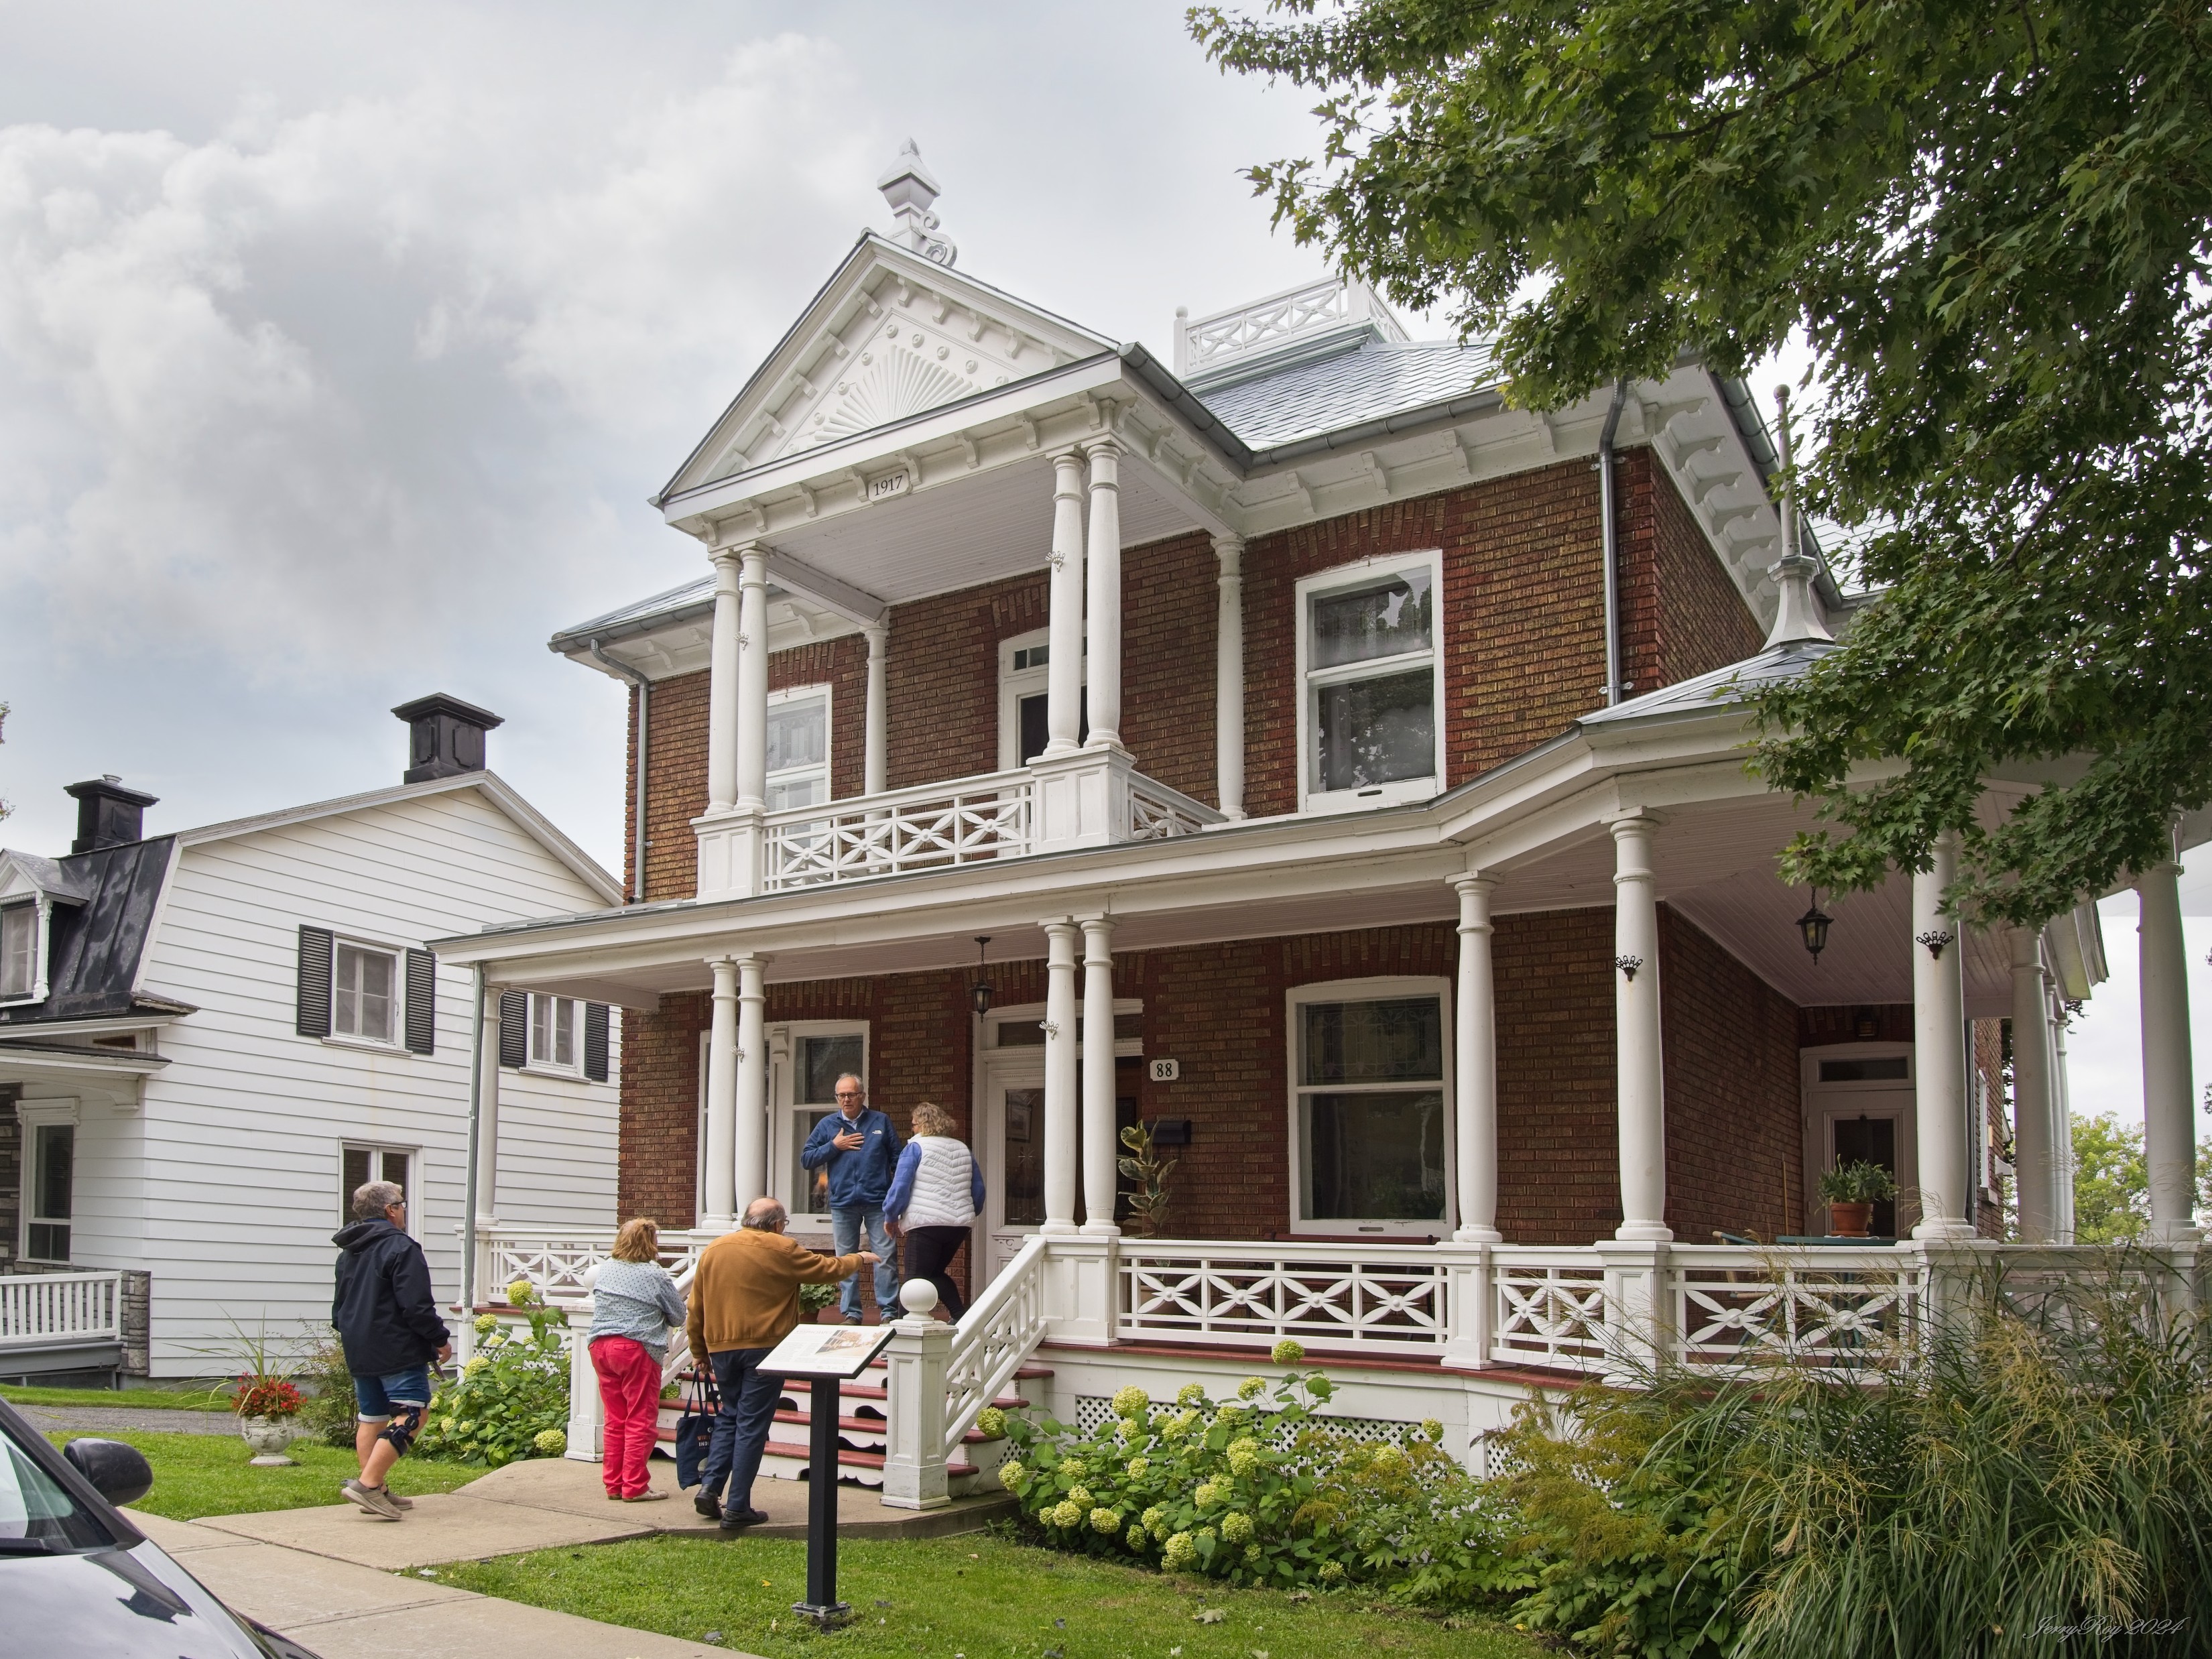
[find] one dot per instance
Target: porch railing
(1000, 1330)
(1360, 1297)
(60, 1310)
(936, 826)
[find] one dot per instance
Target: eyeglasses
(848, 1094)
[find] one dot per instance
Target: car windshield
(37, 1513)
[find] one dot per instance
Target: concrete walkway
(328, 1577)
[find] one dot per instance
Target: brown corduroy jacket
(745, 1292)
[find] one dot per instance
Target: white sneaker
(373, 1499)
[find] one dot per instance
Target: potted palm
(1852, 1191)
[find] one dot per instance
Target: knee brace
(406, 1423)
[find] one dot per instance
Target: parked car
(76, 1577)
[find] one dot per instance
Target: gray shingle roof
(1376, 379)
(628, 618)
(1720, 686)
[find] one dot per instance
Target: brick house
(1366, 754)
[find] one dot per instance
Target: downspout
(468, 1342)
(1607, 512)
(623, 671)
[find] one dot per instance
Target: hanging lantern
(1814, 926)
(979, 994)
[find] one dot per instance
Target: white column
(1064, 668)
(1638, 1056)
(752, 681)
(1101, 556)
(2035, 1168)
(2062, 1104)
(723, 686)
(873, 766)
(722, 1101)
(1229, 678)
(1939, 1060)
(1100, 1142)
(1474, 1076)
(2169, 1150)
(1062, 1083)
(750, 1160)
(488, 1070)
(915, 1365)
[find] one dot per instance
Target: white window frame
(376, 1149)
(784, 1142)
(397, 1042)
(34, 1115)
(1825, 1101)
(41, 910)
(1368, 990)
(548, 1067)
(1311, 797)
(1015, 683)
(827, 770)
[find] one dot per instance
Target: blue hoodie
(858, 1180)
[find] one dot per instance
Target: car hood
(120, 1604)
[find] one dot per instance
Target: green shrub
(326, 1415)
(510, 1401)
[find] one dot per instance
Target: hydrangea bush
(510, 1401)
(1259, 1490)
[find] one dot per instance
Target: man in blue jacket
(861, 1149)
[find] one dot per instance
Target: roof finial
(910, 187)
(1796, 614)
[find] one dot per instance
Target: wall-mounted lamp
(1813, 926)
(1935, 939)
(979, 994)
(1628, 965)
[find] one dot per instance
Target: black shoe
(739, 1519)
(709, 1507)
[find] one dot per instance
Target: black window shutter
(595, 1041)
(421, 1003)
(312, 1017)
(513, 1029)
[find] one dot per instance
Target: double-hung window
(1370, 683)
(19, 950)
(359, 1166)
(553, 1027)
(365, 993)
(1370, 1124)
(819, 1058)
(49, 1183)
(799, 747)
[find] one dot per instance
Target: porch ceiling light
(1814, 926)
(979, 994)
(1934, 939)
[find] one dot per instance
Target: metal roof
(1371, 379)
(1734, 682)
(638, 616)
(94, 948)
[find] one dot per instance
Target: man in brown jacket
(745, 1300)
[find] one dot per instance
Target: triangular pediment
(889, 336)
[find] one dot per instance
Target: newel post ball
(919, 1298)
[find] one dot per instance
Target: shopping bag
(695, 1426)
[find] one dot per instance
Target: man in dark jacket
(387, 1320)
(860, 1148)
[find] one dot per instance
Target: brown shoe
(647, 1497)
(373, 1500)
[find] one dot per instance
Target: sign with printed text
(838, 1351)
(1166, 1071)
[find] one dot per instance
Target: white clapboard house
(208, 1038)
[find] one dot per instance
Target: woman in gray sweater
(633, 1303)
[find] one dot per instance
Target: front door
(1011, 1137)
(1859, 1108)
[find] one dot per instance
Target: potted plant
(1852, 1191)
(267, 1407)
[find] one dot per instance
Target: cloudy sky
(340, 346)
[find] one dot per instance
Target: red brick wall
(1170, 612)
(1681, 614)
(1879, 1022)
(675, 788)
(658, 1172)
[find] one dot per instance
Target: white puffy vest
(942, 1184)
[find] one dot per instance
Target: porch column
(1939, 1023)
(1102, 554)
(1638, 1056)
(722, 1101)
(1229, 678)
(2062, 1116)
(752, 680)
(1100, 1133)
(1060, 1081)
(723, 686)
(2169, 1152)
(873, 769)
(749, 1165)
(1064, 667)
(2034, 1167)
(488, 1070)
(1475, 1060)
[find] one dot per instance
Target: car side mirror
(119, 1472)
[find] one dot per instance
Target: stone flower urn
(267, 1436)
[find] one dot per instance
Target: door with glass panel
(1859, 1108)
(1011, 1141)
(1372, 1134)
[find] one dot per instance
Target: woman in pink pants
(633, 1302)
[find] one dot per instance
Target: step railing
(60, 1310)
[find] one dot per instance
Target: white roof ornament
(910, 187)
(1797, 612)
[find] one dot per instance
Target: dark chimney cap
(448, 737)
(107, 814)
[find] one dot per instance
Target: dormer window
(1370, 683)
(19, 950)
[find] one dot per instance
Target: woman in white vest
(936, 1193)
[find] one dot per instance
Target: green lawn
(980, 1595)
(159, 1400)
(197, 1475)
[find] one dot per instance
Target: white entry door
(1010, 1136)
(1859, 1108)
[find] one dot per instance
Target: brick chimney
(107, 814)
(446, 737)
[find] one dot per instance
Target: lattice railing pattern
(42, 1310)
(881, 835)
(999, 1332)
(1159, 813)
(558, 1263)
(1351, 1296)
(1231, 335)
(1835, 1307)
(1549, 1308)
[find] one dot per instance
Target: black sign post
(822, 1605)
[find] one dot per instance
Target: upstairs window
(365, 993)
(19, 950)
(1025, 699)
(1368, 1119)
(799, 748)
(1370, 683)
